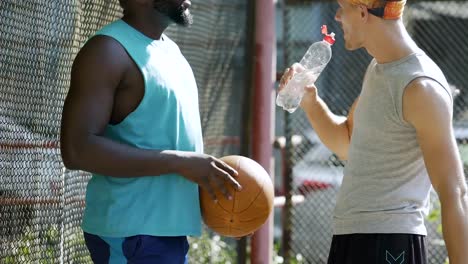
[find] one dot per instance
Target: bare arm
(96, 74)
(425, 98)
(333, 130)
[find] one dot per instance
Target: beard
(177, 14)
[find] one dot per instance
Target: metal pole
(262, 116)
(247, 106)
(287, 158)
(287, 185)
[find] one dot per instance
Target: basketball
(249, 208)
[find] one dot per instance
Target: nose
(338, 15)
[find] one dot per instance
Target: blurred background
(41, 202)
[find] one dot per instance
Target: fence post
(288, 152)
(262, 116)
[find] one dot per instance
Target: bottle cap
(330, 38)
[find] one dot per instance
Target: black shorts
(378, 249)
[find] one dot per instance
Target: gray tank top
(385, 186)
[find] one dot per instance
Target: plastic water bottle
(314, 61)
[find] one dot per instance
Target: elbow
(455, 195)
(68, 159)
(464, 198)
(342, 151)
(341, 147)
(69, 154)
(342, 156)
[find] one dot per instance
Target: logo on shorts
(392, 260)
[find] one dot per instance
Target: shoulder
(425, 89)
(169, 40)
(102, 47)
(171, 43)
(424, 98)
(102, 53)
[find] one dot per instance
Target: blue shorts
(137, 249)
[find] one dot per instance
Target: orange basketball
(249, 208)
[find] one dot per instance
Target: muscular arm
(428, 107)
(97, 71)
(333, 130)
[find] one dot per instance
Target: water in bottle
(314, 61)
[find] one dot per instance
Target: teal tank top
(167, 118)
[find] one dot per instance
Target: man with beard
(397, 139)
(131, 118)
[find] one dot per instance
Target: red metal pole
(262, 116)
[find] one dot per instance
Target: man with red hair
(398, 141)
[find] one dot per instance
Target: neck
(389, 42)
(150, 25)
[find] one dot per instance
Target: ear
(364, 12)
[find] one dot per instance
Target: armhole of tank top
(139, 68)
(412, 79)
(397, 96)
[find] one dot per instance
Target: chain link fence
(41, 202)
(316, 173)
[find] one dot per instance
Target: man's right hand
(210, 173)
(310, 95)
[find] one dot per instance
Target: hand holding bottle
(305, 73)
(310, 91)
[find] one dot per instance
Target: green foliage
(206, 249)
(464, 153)
(211, 249)
(277, 259)
(44, 247)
